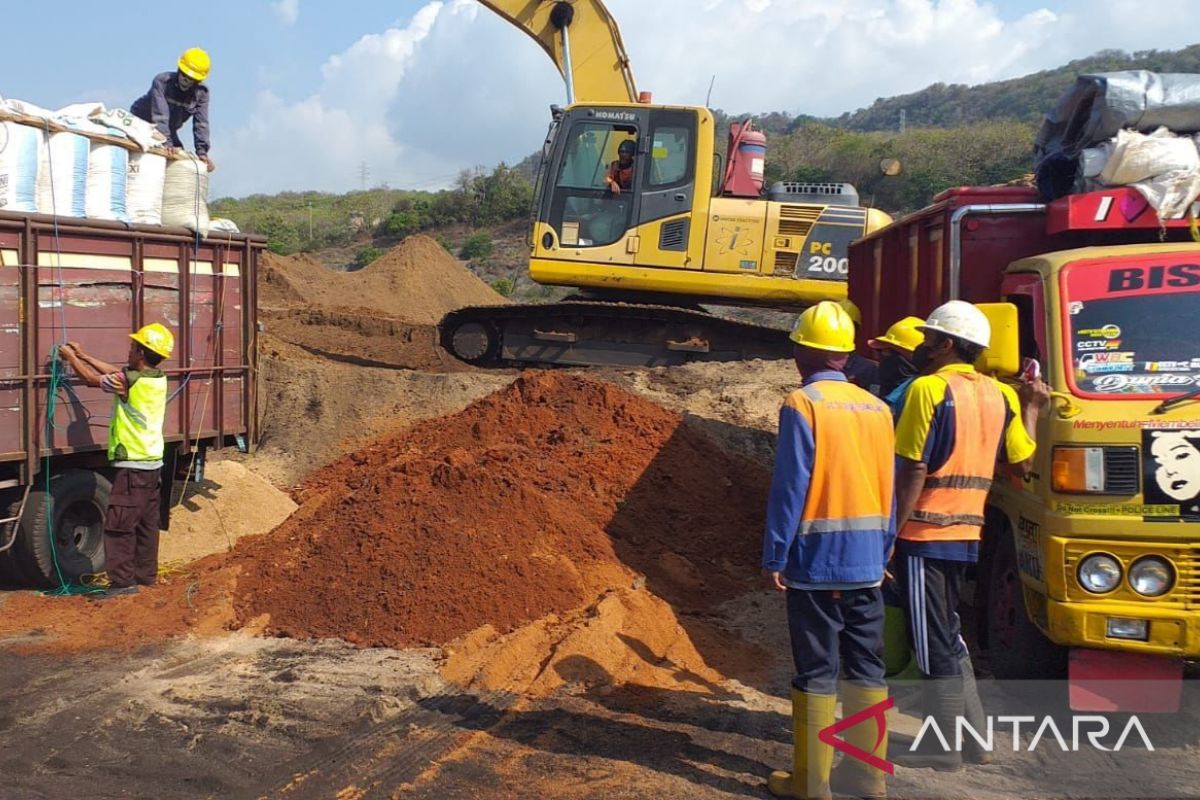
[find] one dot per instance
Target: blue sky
(306, 90)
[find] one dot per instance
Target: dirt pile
(416, 281)
(383, 315)
(531, 502)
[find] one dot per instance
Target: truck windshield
(1131, 326)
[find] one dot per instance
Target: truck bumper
(1111, 681)
(1171, 632)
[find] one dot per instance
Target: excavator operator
(620, 172)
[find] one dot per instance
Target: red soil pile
(528, 503)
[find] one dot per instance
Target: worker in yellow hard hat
(896, 368)
(175, 97)
(135, 453)
(859, 371)
(830, 526)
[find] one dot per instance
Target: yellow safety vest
(136, 430)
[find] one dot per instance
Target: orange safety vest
(853, 476)
(951, 506)
(623, 176)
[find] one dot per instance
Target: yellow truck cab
(1092, 563)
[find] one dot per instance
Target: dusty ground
(639, 692)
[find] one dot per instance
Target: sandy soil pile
(383, 315)
(525, 504)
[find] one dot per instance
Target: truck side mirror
(1003, 358)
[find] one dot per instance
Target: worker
(620, 172)
(830, 527)
(176, 97)
(955, 425)
(135, 453)
(896, 368)
(860, 371)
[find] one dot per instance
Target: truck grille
(798, 220)
(1122, 470)
(1186, 559)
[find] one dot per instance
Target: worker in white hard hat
(135, 453)
(830, 527)
(955, 426)
(177, 96)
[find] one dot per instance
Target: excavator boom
(583, 41)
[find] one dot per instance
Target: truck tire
(1017, 648)
(75, 506)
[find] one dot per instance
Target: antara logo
(1094, 729)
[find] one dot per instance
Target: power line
(363, 174)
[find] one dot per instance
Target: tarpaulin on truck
(1098, 106)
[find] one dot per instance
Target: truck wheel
(75, 506)
(1017, 649)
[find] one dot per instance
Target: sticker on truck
(1171, 470)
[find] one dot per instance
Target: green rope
(65, 587)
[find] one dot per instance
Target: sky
(306, 92)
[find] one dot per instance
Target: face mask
(922, 356)
(894, 369)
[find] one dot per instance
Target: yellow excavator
(635, 208)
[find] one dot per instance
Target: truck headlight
(1099, 573)
(1151, 576)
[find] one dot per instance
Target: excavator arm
(583, 41)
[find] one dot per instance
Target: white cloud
(455, 86)
(288, 11)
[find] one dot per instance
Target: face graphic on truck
(1177, 464)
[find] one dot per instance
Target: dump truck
(1092, 563)
(94, 282)
(689, 228)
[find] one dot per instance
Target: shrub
(366, 255)
(478, 245)
(503, 286)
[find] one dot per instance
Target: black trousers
(131, 528)
(931, 588)
(836, 629)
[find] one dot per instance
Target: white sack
(63, 175)
(21, 149)
(134, 128)
(1095, 159)
(222, 225)
(1172, 194)
(108, 173)
(185, 195)
(144, 188)
(1139, 157)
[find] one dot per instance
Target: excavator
(635, 209)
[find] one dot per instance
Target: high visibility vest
(852, 478)
(951, 506)
(136, 430)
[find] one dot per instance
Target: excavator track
(603, 333)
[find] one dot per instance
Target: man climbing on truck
(955, 425)
(176, 97)
(135, 453)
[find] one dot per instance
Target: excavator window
(670, 156)
(584, 211)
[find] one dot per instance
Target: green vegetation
(366, 255)
(478, 246)
(504, 286)
(308, 221)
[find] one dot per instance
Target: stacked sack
(80, 172)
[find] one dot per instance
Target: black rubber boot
(943, 700)
(972, 751)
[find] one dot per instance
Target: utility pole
(310, 220)
(363, 174)
(903, 120)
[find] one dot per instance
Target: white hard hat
(962, 321)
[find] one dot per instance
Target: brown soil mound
(417, 282)
(363, 339)
(528, 503)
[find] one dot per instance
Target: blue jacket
(168, 107)
(836, 558)
(896, 397)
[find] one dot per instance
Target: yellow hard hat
(195, 63)
(851, 309)
(825, 326)
(903, 335)
(155, 338)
